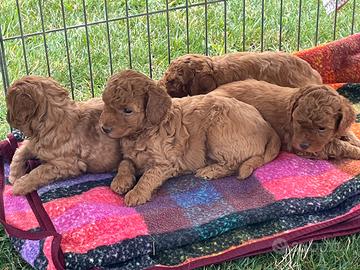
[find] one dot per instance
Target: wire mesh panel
(80, 43)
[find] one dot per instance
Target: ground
(341, 253)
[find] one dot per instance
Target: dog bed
(80, 223)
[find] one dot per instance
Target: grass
(339, 253)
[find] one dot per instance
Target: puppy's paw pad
(134, 198)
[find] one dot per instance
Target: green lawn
(340, 253)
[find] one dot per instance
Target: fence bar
(262, 25)
(353, 18)
(299, 26)
(168, 31)
(88, 49)
(280, 30)
(206, 29)
(243, 24)
(67, 49)
(4, 71)
(2, 66)
(108, 36)
(4, 75)
(110, 20)
(317, 22)
(44, 38)
(335, 19)
(187, 26)
(22, 37)
(225, 27)
(128, 31)
(148, 37)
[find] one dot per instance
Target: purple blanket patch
(16, 203)
(30, 251)
(6, 169)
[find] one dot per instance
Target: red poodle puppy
(63, 134)
(162, 137)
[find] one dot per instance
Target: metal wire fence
(81, 43)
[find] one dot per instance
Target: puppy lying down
(313, 121)
(163, 137)
(63, 134)
(195, 74)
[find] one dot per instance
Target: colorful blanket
(81, 224)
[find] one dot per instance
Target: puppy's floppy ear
(205, 84)
(185, 74)
(302, 92)
(204, 81)
(346, 116)
(158, 104)
(294, 100)
(21, 106)
(293, 103)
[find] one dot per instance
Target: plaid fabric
(190, 219)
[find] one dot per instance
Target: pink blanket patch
(106, 231)
(290, 176)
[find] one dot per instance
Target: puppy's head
(132, 101)
(318, 115)
(30, 101)
(189, 75)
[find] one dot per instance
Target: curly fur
(310, 120)
(195, 74)
(163, 137)
(63, 134)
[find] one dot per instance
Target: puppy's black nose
(106, 129)
(304, 145)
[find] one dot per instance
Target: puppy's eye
(127, 111)
(321, 129)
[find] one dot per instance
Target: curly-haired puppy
(194, 74)
(310, 120)
(63, 134)
(163, 137)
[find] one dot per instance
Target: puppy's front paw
(213, 171)
(245, 171)
(23, 186)
(136, 197)
(16, 172)
(122, 183)
(205, 173)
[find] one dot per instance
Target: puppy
(63, 134)
(163, 137)
(310, 120)
(194, 74)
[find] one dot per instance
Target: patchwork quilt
(80, 223)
